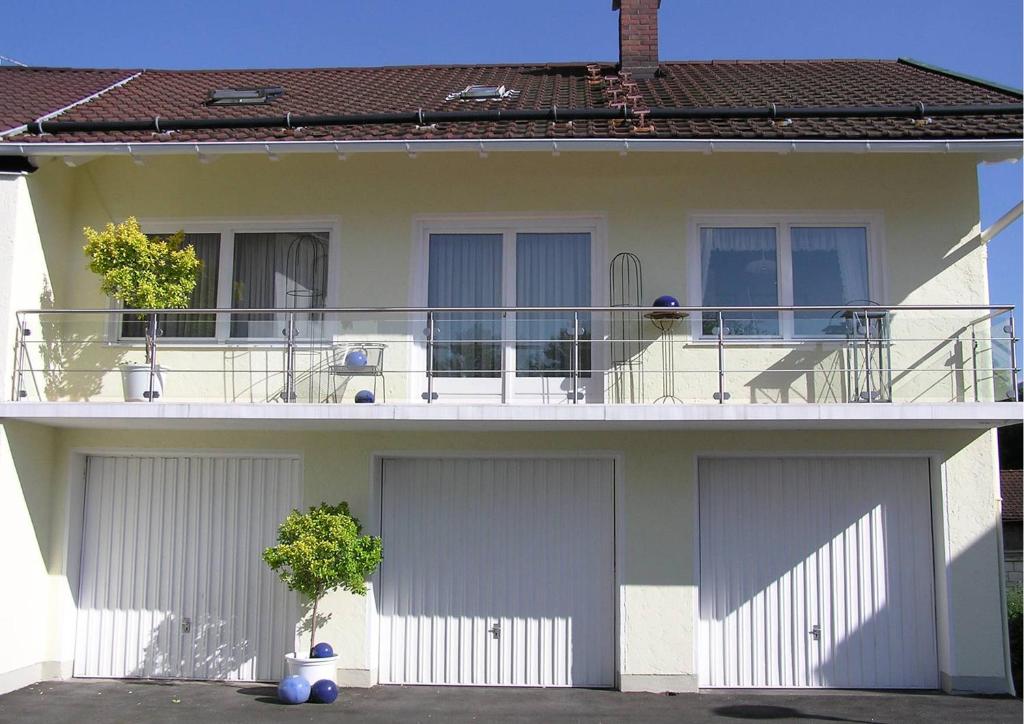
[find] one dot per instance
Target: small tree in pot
(143, 272)
(320, 551)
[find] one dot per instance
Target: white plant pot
(136, 383)
(312, 670)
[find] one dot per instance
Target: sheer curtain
(465, 271)
(280, 271)
(739, 268)
(552, 270)
(830, 266)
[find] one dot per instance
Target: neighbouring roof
(1011, 482)
(26, 93)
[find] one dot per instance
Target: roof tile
(180, 94)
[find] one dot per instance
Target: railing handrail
(997, 308)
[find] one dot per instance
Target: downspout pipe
(421, 117)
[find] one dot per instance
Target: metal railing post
(867, 355)
(721, 358)
(289, 374)
(974, 361)
(151, 344)
(430, 357)
(21, 332)
(575, 356)
(1014, 394)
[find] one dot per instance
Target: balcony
(654, 363)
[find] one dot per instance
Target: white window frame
(783, 222)
(227, 228)
(509, 225)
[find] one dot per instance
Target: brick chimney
(638, 36)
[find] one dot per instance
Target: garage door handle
(495, 630)
(815, 632)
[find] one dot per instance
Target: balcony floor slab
(243, 416)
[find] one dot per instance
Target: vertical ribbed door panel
(172, 584)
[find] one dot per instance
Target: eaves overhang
(992, 150)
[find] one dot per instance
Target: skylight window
(243, 96)
(482, 93)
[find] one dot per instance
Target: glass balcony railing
(520, 355)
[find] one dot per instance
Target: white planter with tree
(320, 551)
(143, 273)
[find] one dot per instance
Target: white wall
(658, 531)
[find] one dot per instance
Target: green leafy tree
(323, 550)
(142, 272)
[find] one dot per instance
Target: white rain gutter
(1003, 148)
(21, 129)
(1001, 223)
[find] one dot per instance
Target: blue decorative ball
(364, 396)
(666, 300)
(324, 691)
(356, 358)
(321, 651)
(293, 690)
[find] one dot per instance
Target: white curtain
(465, 271)
(276, 271)
(849, 244)
(552, 270)
(732, 239)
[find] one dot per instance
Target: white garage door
(816, 573)
(498, 572)
(172, 583)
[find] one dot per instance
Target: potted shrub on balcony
(143, 272)
(317, 552)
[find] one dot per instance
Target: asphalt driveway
(193, 702)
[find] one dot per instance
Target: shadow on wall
(74, 358)
(823, 372)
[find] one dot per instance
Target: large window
(506, 267)
(781, 263)
(246, 267)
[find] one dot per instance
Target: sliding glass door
(529, 357)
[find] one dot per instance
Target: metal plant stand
(307, 253)
(626, 289)
(868, 355)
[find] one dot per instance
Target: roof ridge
(453, 66)
(972, 79)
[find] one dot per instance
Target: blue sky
(981, 38)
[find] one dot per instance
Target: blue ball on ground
(293, 690)
(321, 651)
(364, 396)
(666, 300)
(324, 691)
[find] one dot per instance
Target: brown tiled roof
(1010, 482)
(180, 94)
(29, 93)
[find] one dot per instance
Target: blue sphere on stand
(324, 691)
(364, 397)
(666, 300)
(356, 358)
(321, 651)
(293, 690)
